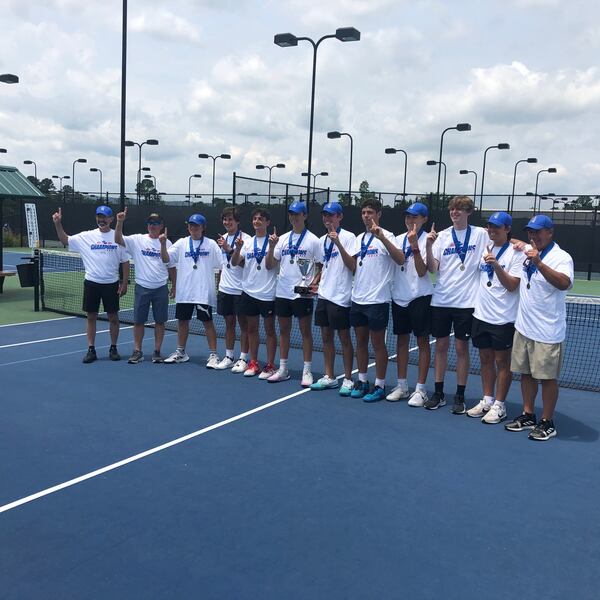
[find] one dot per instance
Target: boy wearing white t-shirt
(285, 254)
(494, 317)
(411, 305)
(151, 276)
(101, 257)
(197, 258)
(334, 286)
(454, 255)
(258, 292)
(541, 326)
(376, 252)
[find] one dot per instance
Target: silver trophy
(306, 266)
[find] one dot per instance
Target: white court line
(156, 449)
(35, 322)
(62, 337)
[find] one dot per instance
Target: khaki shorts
(540, 360)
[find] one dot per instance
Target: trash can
(26, 274)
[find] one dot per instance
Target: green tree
(582, 202)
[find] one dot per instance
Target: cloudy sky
(205, 77)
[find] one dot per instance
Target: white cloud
(165, 25)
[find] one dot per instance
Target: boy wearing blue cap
(101, 257)
(494, 317)
(540, 326)
(196, 258)
(411, 305)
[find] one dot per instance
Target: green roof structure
(13, 184)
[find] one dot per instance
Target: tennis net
(62, 291)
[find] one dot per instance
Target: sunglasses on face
(154, 222)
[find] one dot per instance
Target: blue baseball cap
(540, 222)
(196, 219)
(501, 219)
(104, 210)
(333, 208)
(297, 207)
(417, 209)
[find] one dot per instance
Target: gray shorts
(538, 359)
(159, 298)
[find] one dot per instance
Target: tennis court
(153, 481)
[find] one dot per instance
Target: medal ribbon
(364, 247)
(490, 268)
(260, 255)
(327, 251)
(293, 248)
(195, 253)
(406, 246)
(530, 267)
(231, 244)
(461, 249)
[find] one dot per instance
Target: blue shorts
(144, 297)
(373, 316)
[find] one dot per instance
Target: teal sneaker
(359, 389)
(346, 388)
(376, 395)
(325, 383)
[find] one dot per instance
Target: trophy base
(303, 290)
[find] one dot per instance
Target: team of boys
(508, 297)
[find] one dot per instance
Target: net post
(36, 279)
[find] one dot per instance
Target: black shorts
(299, 307)
(94, 292)
(414, 318)
(252, 307)
(487, 335)
(185, 311)
(330, 314)
(228, 304)
(444, 319)
(373, 316)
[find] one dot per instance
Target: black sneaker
(436, 401)
(136, 357)
(458, 407)
(90, 357)
(113, 353)
(157, 358)
(521, 423)
(543, 431)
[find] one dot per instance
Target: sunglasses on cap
(154, 222)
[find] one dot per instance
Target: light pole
(8, 78)
(151, 177)
(197, 176)
(465, 172)
(30, 162)
(95, 170)
(537, 177)
(277, 166)
(322, 174)
(214, 159)
(395, 151)
(531, 160)
(61, 179)
(458, 127)
(246, 196)
(286, 40)
(435, 162)
(78, 160)
(501, 146)
(150, 142)
(334, 135)
(2, 150)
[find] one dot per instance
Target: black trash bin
(26, 274)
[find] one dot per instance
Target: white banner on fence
(33, 235)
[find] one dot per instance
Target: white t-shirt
(289, 273)
(258, 283)
(231, 277)
(454, 287)
(196, 286)
(100, 254)
(150, 271)
(495, 304)
(372, 279)
(542, 314)
(407, 284)
(336, 278)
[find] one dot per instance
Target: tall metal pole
(405, 169)
(214, 159)
(445, 170)
(270, 170)
(312, 117)
(123, 104)
(139, 174)
(483, 177)
(512, 196)
(350, 179)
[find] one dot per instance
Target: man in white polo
(541, 326)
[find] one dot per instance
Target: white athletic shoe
(240, 366)
(225, 363)
(212, 362)
(479, 409)
(279, 375)
(177, 357)
(268, 370)
(307, 378)
(496, 414)
(400, 392)
(418, 398)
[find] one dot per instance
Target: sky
(204, 76)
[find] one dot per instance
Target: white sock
(212, 352)
(229, 354)
(499, 402)
(283, 363)
(380, 382)
(489, 400)
(307, 365)
(244, 356)
(362, 377)
(181, 349)
(421, 387)
(402, 382)
(348, 383)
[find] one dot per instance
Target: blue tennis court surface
(314, 496)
